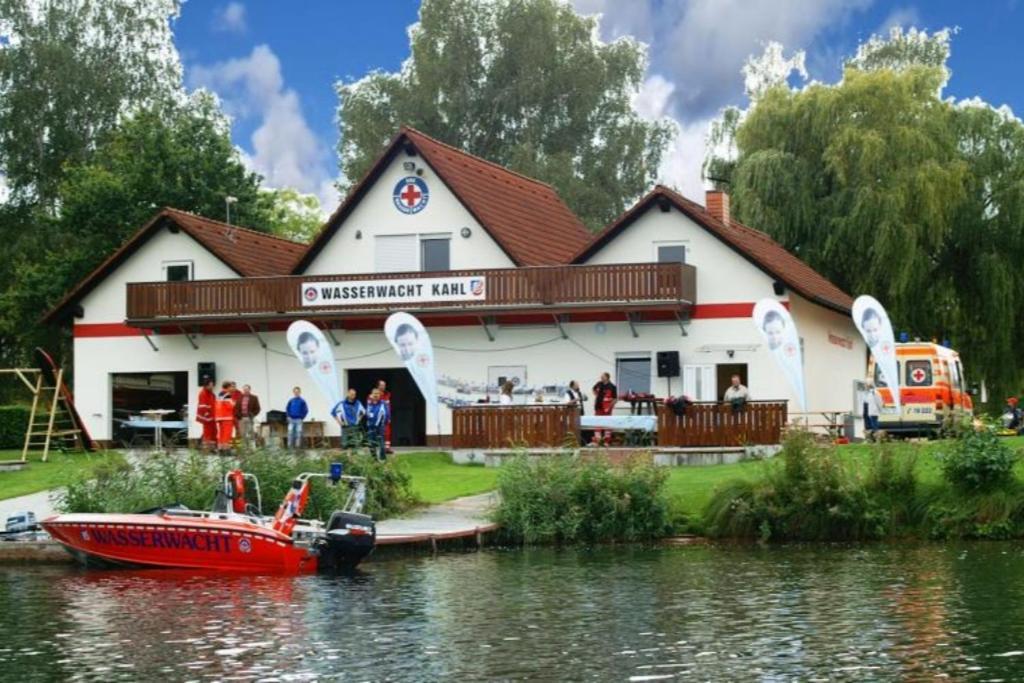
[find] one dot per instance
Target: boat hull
(184, 543)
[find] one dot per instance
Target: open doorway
(724, 373)
(408, 407)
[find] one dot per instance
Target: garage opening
(408, 407)
(135, 392)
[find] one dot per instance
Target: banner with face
(779, 331)
(411, 342)
(311, 348)
(873, 323)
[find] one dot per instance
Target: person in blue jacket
(349, 413)
(296, 410)
(377, 418)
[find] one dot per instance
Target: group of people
(369, 423)
(227, 415)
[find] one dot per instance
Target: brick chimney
(717, 204)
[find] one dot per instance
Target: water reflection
(879, 612)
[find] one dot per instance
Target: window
(919, 373)
(880, 378)
(435, 253)
(177, 271)
(395, 254)
(633, 374)
(671, 253)
(699, 382)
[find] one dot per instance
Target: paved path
(38, 503)
(460, 517)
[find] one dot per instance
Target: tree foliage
(523, 83)
(69, 72)
(890, 190)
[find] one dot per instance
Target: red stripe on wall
(699, 312)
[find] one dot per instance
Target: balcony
(555, 289)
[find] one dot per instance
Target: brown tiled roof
(754, 245)
(247, 252)
(526, 217)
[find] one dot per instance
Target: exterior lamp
(466, 232)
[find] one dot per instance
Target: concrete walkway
(38, 503)
(460, 518)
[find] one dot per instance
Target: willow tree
(524, 83)
(889, 189)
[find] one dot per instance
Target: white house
(668, 276)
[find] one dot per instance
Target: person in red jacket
(385, 397)
(205, 405)
(224, 416)
(605, 395)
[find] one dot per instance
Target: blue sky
(274, 63)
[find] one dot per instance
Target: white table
(620, 423)
(156, 420)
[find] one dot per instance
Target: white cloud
(284, 149)
(230, 18)
(902, 17)
(697, 50)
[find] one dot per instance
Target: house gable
(354, 243)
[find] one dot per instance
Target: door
(699, 382)
(724, 373)
(408, 407)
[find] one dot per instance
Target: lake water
(721, 613)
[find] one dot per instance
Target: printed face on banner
(873, 323)
(783, 340)
(317, 357)
(411, 342)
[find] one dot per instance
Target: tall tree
(889, 189)
(69, 71)
(523, 83)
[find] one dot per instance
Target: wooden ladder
(50, 419)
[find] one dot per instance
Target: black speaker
(204, 370)
(668, 363)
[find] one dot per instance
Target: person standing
(349, 414)
(296, 411)
(206, 402)
(575, 396)
(871, 404)
(376, 420)
(236, 396)
(224, 414)
(605, 396)
(247, 407)
(385, 397)
(736, 393)
(505, 398)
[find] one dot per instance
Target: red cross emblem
(917, 375)
(410, 194)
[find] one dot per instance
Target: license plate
(889, 410)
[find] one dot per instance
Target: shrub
(810, 494)
(162, 479)
(563, 499)
(13, 422)
(977, 460)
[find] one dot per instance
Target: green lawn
(436, 479)
(59, 470)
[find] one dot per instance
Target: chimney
(717, 204)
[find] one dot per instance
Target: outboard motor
(349, 539)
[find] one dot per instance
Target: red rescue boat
(234, 536)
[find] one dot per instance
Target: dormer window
(177, 271)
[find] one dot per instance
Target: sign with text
(397, 291)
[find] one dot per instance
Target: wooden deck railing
(495, 426)
(718, 424)
(505, 288)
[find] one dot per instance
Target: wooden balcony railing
(626, 283)
(757, 423)
(495, 426)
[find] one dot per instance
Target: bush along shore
(160, 479)
(962, 487)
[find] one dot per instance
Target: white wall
(106, 303)
(461, 352)
(376, 215)
(830, 367)
(723, 276)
